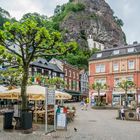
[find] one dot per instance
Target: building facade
(112, 66)
(71, 77)
(94, 44)
(84, 88)
(45, 69)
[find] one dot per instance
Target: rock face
(96, 20)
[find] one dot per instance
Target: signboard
(61, 121)
(50, 120)
(51, 96)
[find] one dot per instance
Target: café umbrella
(34, 92)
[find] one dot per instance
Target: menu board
(61, 121)
(51, 96)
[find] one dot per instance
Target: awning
(3, 89)
(101, 94)
(75, 93)
(119, 93)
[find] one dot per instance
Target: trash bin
(26, 120)
(7, 120)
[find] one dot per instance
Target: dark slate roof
(123, 51)
(40, 62)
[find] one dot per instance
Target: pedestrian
(86, 103)
(122, 113)
(138, 113)
(82, 104)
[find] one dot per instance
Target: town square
(69, 69)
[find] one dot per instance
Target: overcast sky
(127, 10)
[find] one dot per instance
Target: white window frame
(129, 50)
(116, 81)
(131, 64)
(115, 67)
(130, 78)
(99, 55)
(100, 68)
(115, 52)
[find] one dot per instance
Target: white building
(94, 44)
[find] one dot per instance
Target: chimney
(135, 42)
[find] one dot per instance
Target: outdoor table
(37, 113)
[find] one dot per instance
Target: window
(65, 72)
(99, 55)
(131, 65)
(102, 81)
(39, 70)
(130, 78)
(100, 68)
(115, 52)
(115, 67)
(54, 74)
(116, 81)
(129, 50)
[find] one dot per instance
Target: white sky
(127, 10)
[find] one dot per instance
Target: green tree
(26, 41)
(42, 20)
(98, 87)
(118, 21)
(4, 16)
(59, 82)
(11, 77)
(126, 85)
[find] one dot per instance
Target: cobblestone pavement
(91, 125)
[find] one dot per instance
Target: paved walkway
(91, 125)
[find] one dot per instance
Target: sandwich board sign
(61, 121)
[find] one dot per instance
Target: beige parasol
(34, 92)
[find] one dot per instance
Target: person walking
(82, 104)
(122, 113)
(86, 103)
(138, 113)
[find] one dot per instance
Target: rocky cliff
(96, 20)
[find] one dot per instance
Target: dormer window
(129, 50)
(45, 63)
(115, 52)
(40, 62)
(99, 55)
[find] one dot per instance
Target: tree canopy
(25, 41)
(126, 85)
(97, 86)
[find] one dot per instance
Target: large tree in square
(126, 85)
(24, 41)
(97, 86)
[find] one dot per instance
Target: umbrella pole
(61, 102)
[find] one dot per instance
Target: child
(122, 113)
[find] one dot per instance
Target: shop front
(118, 98)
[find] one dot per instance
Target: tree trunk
(24, 88)
(126, 98)
(99, 96)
